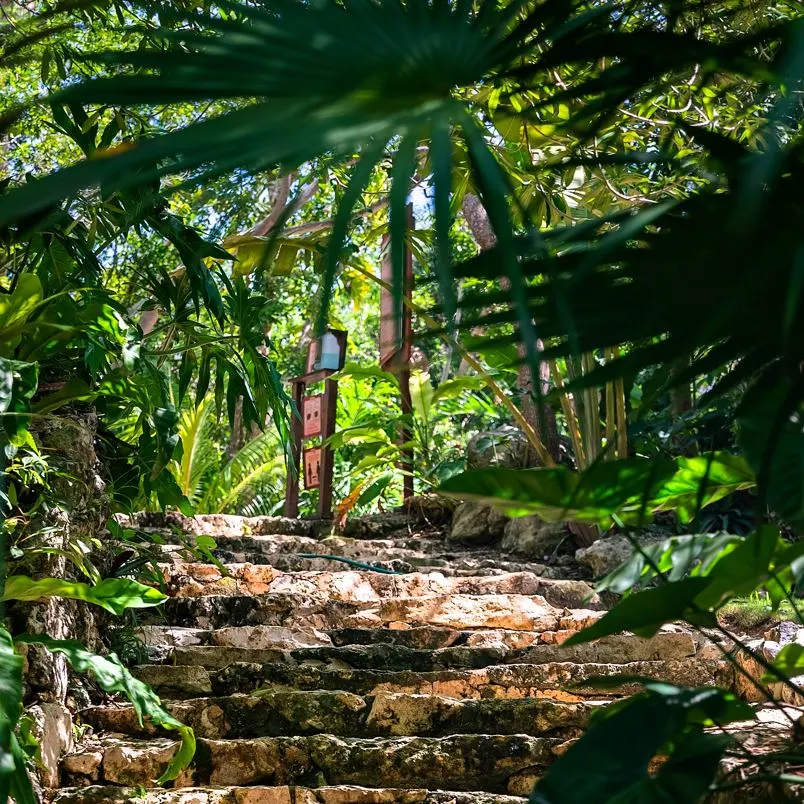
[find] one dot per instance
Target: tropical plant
(632, 158)
(250, 482)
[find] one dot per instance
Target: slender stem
(571, 415)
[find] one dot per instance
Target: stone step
(561, 680)
(288, 713)
(510, 612)
(490, 763)
(160, 639)
(194, 580)
(355, 549)
(616, 649)
(397, 523)
(342, 794)
(451, 565)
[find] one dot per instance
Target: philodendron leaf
(789, 662)
(669, 721)
(702, 480)
(646, 612)
(113, 594)
(741, 568)
(112, 676)
(560, 493)
(633, 489)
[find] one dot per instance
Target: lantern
(331, 349)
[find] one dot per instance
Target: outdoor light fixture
(331, 351)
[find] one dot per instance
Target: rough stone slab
(418, 637)
(512, 612)
(268, 636)
(616, 649)
(194, 580)
(218, 525)
(355, 549)
(460, 762)
(556, 679)
(343, 794)
(292, 712)
(423, 637)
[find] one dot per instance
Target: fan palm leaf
(199, 454)
(257, 470)
(377, 78)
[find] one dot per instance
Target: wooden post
(292, 482)
(395, 348)
(316, 419)
(329, 412)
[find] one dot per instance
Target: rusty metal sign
(312, 421)
(312, 468)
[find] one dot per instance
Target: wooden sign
(312, 468)
(312, 422)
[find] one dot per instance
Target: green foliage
(669, 722)
(249, 482)
(113, 594)
(632, 159)
(14, 781)
(111, 676)
(631, 490)
(740, 567)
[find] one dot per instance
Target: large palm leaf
(377, 78)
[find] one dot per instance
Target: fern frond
(257, 468)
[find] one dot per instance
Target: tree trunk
(541, 418)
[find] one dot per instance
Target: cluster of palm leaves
(250, 482)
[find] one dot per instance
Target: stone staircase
(312, 681)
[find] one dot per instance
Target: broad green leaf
(421, 394)
(112, 676)
(675, 557)
(17, 306)
(560, 493)
(741, 568)
(646, 612)
(789, 661)
(113, 594)
(702, 480)
(13, 775)
(18, 384)
(632, 489)
(668, 720)
(357, 372)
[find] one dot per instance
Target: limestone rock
(54, 731)
(270, 636)
(606, 554)
(505, 447)
(532, 537)
(475, 524)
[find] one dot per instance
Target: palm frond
(257, 469)
(199, 454)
